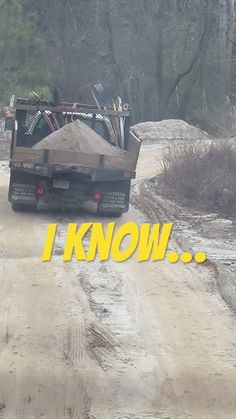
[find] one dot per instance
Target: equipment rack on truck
(45, 178)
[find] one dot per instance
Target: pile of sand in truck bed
(169, 129)
(78, 137)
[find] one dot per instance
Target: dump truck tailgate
(48, 162)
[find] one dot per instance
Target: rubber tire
(116, 214)
(22, 207)
(18, 207)
(110, 214)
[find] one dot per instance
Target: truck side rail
(66, 109)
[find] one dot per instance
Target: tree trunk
(193, 68)
(223, 47)
(159, 65)
(230, 35)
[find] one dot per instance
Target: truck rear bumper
(38, 192)
(54, 202)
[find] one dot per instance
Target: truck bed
(47, 161)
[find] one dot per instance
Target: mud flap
(22, 188)
(115, 197)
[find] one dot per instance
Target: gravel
(170, 129)
(78, 137)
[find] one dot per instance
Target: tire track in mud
(152, 207)
(155, 213)
(42, 366)
(191, 225)
(104, 290)
(98, 341)
(78, 401)
(187, 220)
(61, 388)
(3, 252)
(73, 346)
(159, 211)
(101, 345)
(108, 320)
(2, 409)
(145, 205)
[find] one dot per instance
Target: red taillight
(127, 174)
(42, 186)
(97, 196)
(40, 191)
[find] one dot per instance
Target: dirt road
(107, 340)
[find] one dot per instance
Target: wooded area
(167, 58)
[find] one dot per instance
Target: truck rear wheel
(17, 207)
(22, 207)
(116, 214)
(110, 214)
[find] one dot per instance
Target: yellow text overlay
(87, 241)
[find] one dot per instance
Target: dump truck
(44, 178)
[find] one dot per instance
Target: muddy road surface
(107, 340)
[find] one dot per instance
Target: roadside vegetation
(202, 176)
(166, 58)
